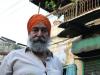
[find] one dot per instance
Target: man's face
(39, 37)
(39, 33)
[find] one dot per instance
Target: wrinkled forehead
(40, 25)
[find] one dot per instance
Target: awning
(86, 45)
(73, 30)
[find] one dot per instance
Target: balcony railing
(78, 8)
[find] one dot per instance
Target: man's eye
(44, 30)
(35, 30)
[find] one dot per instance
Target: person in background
(36, 58)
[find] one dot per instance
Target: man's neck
(41, 55)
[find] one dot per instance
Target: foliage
(50, 5)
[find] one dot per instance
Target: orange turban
(37, 18)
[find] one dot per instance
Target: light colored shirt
(20, 62)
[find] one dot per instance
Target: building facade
(82, 29)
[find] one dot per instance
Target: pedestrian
(36, 58)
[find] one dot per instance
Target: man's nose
(39, 33)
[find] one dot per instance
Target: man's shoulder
(17, 51)
(55, 59)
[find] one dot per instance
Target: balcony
(77, 9)
(77, 18)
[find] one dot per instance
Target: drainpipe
(71, 68)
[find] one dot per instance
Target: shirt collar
(49, 53)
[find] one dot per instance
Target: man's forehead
(40, 25)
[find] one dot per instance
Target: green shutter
(92, 67)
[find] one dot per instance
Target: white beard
(38, 46)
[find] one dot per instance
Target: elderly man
(36, 58)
